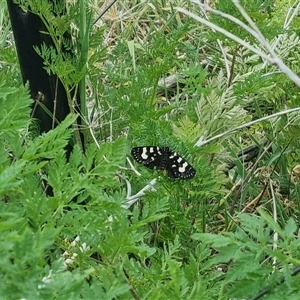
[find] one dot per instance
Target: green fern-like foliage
(86, 200)
(66, 231)
(252, 242)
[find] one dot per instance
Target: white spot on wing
(183, 168)
(180, 159)
(144, 154)
(173, 155)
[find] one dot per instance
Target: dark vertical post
(28, 32)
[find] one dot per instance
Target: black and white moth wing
(148, 156)
(178, 167)
(163, 158)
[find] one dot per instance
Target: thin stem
(202, 142)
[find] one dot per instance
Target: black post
(48, 89)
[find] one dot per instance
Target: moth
(163, 158)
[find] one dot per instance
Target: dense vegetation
(227, 233)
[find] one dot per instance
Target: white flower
(69, 261)
(84, 247)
